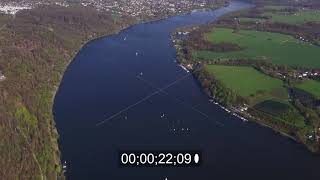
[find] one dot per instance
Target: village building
(2, 77)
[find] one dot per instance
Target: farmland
(262, 45)
(251, 20)
(288, 14)
(311, 86)
(259, 63)
(248, 82)
(299, 17)
(265, 94)
(281, 111)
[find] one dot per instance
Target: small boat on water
(225, 109)
(184, 68)
(137, 53)
(238, 116)
(244, 119)
(64, 165)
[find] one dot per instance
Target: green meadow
(300, 17)
(310, 86)
(248, 82)
(276, 47)
(265, 94)
(281, 111)
(270, 7)
(279, 14)
(251, 20)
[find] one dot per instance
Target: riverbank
(162, 121)
(42, 54)
(259, 107)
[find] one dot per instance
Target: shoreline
(244, 116)
(248, 118)
(98, 37)
(106, 35)
(54, 92)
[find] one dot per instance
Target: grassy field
(300, 17)
(270, 7)
(248, 82)
(251, 20)
(279, 14)
(282, 111)
(265, 94)
(279, 48)
(310, 86)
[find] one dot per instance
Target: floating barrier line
(177, 99)
(142, 100)
(159, 90)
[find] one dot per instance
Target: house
(2, 77)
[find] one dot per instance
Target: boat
(244, 119)
(64, 165)
(184, 68)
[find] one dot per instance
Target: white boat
(244, 119)
(64, 165)
(136, 53)
(184, 68)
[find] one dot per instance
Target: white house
(2, 77)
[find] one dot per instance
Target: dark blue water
(105, 78)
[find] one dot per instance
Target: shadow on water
(119, 72)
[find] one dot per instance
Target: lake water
(107, 76)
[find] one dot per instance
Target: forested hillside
(35, 47)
